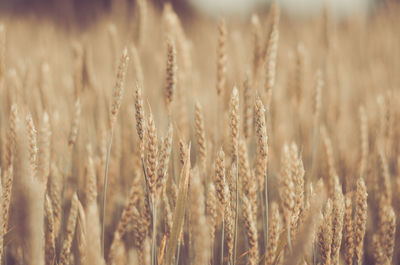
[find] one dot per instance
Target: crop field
(154, 137)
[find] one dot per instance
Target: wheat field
(146, 138)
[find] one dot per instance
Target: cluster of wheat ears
(263, 141)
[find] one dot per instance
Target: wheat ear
(115, 105)
(360, 219)
(70, 232)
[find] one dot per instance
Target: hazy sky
(296, 7)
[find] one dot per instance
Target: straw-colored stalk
(179, 212)
(115, 106)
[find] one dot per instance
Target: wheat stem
(153, 240)
(105, 189)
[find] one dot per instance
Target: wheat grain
(360, 219)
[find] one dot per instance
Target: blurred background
(86, 11)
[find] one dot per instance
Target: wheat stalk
(115, 106)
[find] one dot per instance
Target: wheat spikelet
(44, 150)
(250, 223)
(81, 235)
(211, 209)
(221, 58)
(348, 232)
(297, 170)
(274, 230)
(28, 196)
(317, 101)
(8, 177)
(388, 234)
(92, 213)
(262, 143)
(146, 214)
(247, 108)
(360, 219)
(257, 43)
(170, 82)
(383, 239)
(140, 119)
(118, 89)
(234, 123)
(229, 221)
(337, 222)
(164, 157)
(271, 54)
(49, 232)
(151, 155)
(140, 233)
(182, 151)
(126, 218)
(151, 171)
(70, 231)
(33, 150)
(56, 186)
(200, 134)
(307, 230)
(384, 184)
(11, 136)
(328, 150)
(175, 29)
(220, 179)
(287, 187)
(1, 221)
(171, 189)
(325, 235)
(73, 134)
(248, 185)
(91, 186)
(168, 213)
